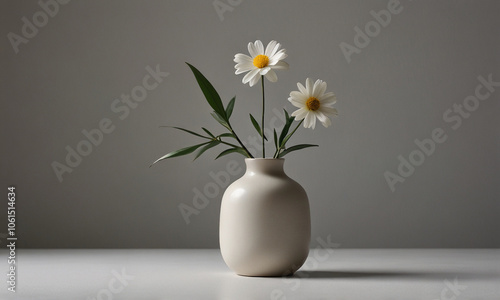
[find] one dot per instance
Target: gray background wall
(395, 90)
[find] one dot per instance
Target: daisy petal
(280, 65)
(270, 48)
(310, 120)
(245, 65)
(264, 71)
(240, 58)
(300, 114)
(277, 57)
(254, 80)
(328, 100)
(296, 102)
(323, 119)
(302, 89)
(327, 123)
(309, 86)
(278, 45)
(259, 46)
(319, 88)
(329, 94)
(250, 75)
(299, 97)
(252, 50)
(274, 50)
(240, 71)
(329, 111)
(271, 76)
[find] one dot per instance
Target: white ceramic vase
(265, 225)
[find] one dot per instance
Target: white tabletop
(201, 274)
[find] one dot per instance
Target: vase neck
(268, 166)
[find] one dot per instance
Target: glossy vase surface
(265, 225)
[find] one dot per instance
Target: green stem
(262, 123)
(226, 143)
(276, 154)
(239, 141)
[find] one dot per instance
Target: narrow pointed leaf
(205, 148)
(180, 152)
(289, 119)
(229, 108)
(276, 153)
(283, 136)
(284, 132)
(209, 91)
(286, 115)
(295, 148)
(188, 131)
(255, 124)
(285, 140)
(219, 119)
(257, 127)
(227, 134)
(208, 132)
(232, 150)
(275, 139)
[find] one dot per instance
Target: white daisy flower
(313, 103)
(261, 62)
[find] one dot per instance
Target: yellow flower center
(261, 61)
(312, 103)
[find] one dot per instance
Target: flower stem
(262, 123)
(298, 125)
(276, 154)
(238, 140)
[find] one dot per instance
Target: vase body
(265, 225)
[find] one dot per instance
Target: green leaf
(219, 119)
(275, 139)
(283, 136)
(286, 115)
(209, 91)
(233, 150)
(205, 148)
(257, 127)
(295, 148)
(208, 132)
(229, 108)
(285, 140)
(227, 134)
(284, 132)
(180, 152)
(188, 131)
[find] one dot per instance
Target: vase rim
(267, 158)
